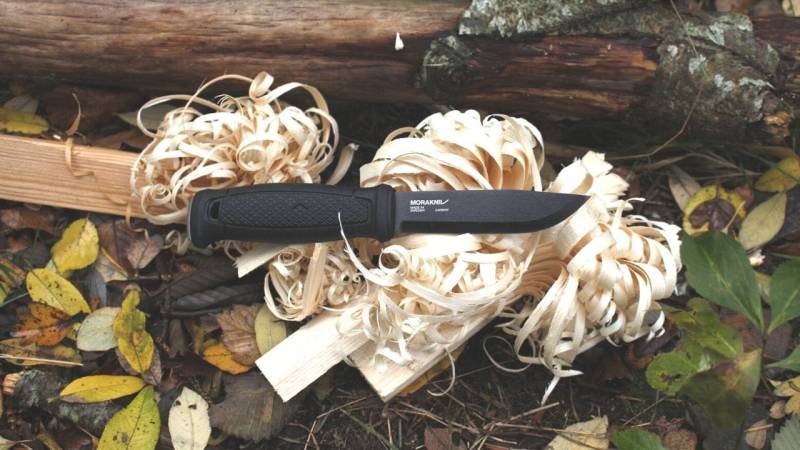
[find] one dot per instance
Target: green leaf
(705, 342)
(791, 362)
(726, 391)
(135, 426)
(788, 438)
(717, 268)
(637, 439)
(669, 372)
(784, 294)
(702, 325)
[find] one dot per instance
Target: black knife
(302, 213)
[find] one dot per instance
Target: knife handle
(290, 213)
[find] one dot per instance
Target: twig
(366, 427)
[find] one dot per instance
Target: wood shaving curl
(246, 140)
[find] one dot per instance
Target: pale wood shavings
(257, 138)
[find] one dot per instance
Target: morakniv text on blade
(303, 213)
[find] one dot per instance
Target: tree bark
(614, 59)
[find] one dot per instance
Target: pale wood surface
(307, 354)
(390, 379)
(36, 171)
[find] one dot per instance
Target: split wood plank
(36, 171)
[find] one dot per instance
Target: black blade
(501, 211)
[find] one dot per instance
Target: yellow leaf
(764, 222)
(135, 426)
(20, 122)
(431, 373)
(220, 357)
(77, 247)
(711, 207)
(269, 330)
(582, 435)
(99, 388)
(789, 388)
(50, 288)
(782, 177)
(43, 325)
(134, 342)
(24, 353)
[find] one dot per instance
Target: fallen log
(613, 60)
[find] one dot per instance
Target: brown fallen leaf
(97, 106)
(251, 408)
(43, 219)
(42, 324)
(151, 376)
(756, 434)
(131, 138)
(680, 440)
(126, 247)
(238, 333)
(441, 439)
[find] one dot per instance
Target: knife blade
(303, 213)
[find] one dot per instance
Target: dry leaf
(189, 423)
(251, 408)
(133, 341)
(238, 333)
(108, 269)
(23, 123)
(778, 409)
(43, 325)
(764, 222)
(126, 247)
(42, 219)
(579, 436)
(50, 288)
(680, 440)
(712, 208)
(22, 103)
(131, 138)
(10, 277)
(756, 435)
(789, 388)
(221, 358)
(136, 426)
(96, 333)
(151, 117)
(683, 187)
(77, 247)
(269, 330)
(99, 388)
(782, 177)
(440, 439)
(153, 373)
(24, 353)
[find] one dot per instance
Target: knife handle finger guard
(296, 213)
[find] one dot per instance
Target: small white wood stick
(307, 354)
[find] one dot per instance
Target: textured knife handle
(290, 213)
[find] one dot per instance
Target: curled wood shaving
(257, 138)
